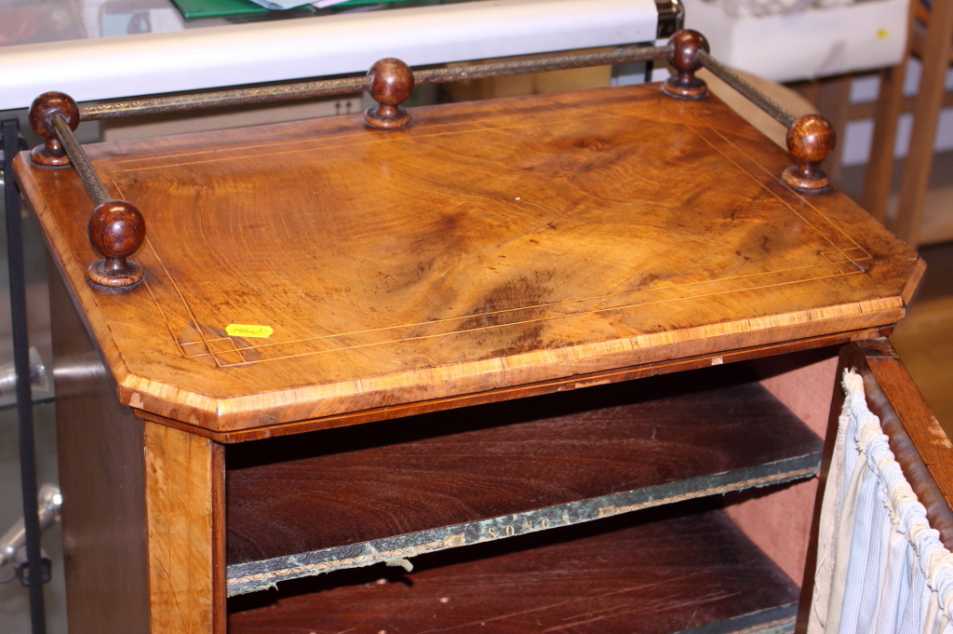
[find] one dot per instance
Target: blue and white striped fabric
(881, 569)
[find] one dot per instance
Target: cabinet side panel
(780, 522)
(184, 478)
(919, 444)
(101, 476)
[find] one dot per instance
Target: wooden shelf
(649, 573)
(354, 496)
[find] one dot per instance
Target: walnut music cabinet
(555, 363)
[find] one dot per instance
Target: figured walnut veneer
(485, 246)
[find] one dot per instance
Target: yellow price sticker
(244, 330)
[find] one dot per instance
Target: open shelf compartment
(665, 570)
(355, 496)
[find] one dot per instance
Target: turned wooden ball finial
(684, 61)
(810, 140)
(116, 230)
(389, 82)
(44, 109)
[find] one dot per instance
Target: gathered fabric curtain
(881, 569)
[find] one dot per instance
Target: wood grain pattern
(184, 480)
(391, 81)
(810, 140)
(332, 488)
(116, 230)
(42, 112)
(667, 575)
(486, 246)
(101, 476)
(684, 61)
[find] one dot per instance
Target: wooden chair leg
(880, 164)
(937, 49)
(886, 116)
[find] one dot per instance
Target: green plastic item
(192, 9)
(356, 2)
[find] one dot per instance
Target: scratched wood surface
(184, 483)
(354, 484)
(663, 573)
(488, 245)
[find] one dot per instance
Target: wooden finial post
(810, 140)
(44, 109)
(684, 60)
(116, 230)
(389, 81)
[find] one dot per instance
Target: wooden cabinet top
(309, 270)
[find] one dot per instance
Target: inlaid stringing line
(775, 177)
(168, 322)
(322, 148)
(569, 303)
(319, 146)
(771, 191)
(185, 305)
(147, 242)
(485, 328)
(592, 311)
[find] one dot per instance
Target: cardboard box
(814, 43)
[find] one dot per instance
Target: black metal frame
(21, 357)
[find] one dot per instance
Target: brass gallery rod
(77, 156)
(327, 88)
(561, 62)
(746, 90)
